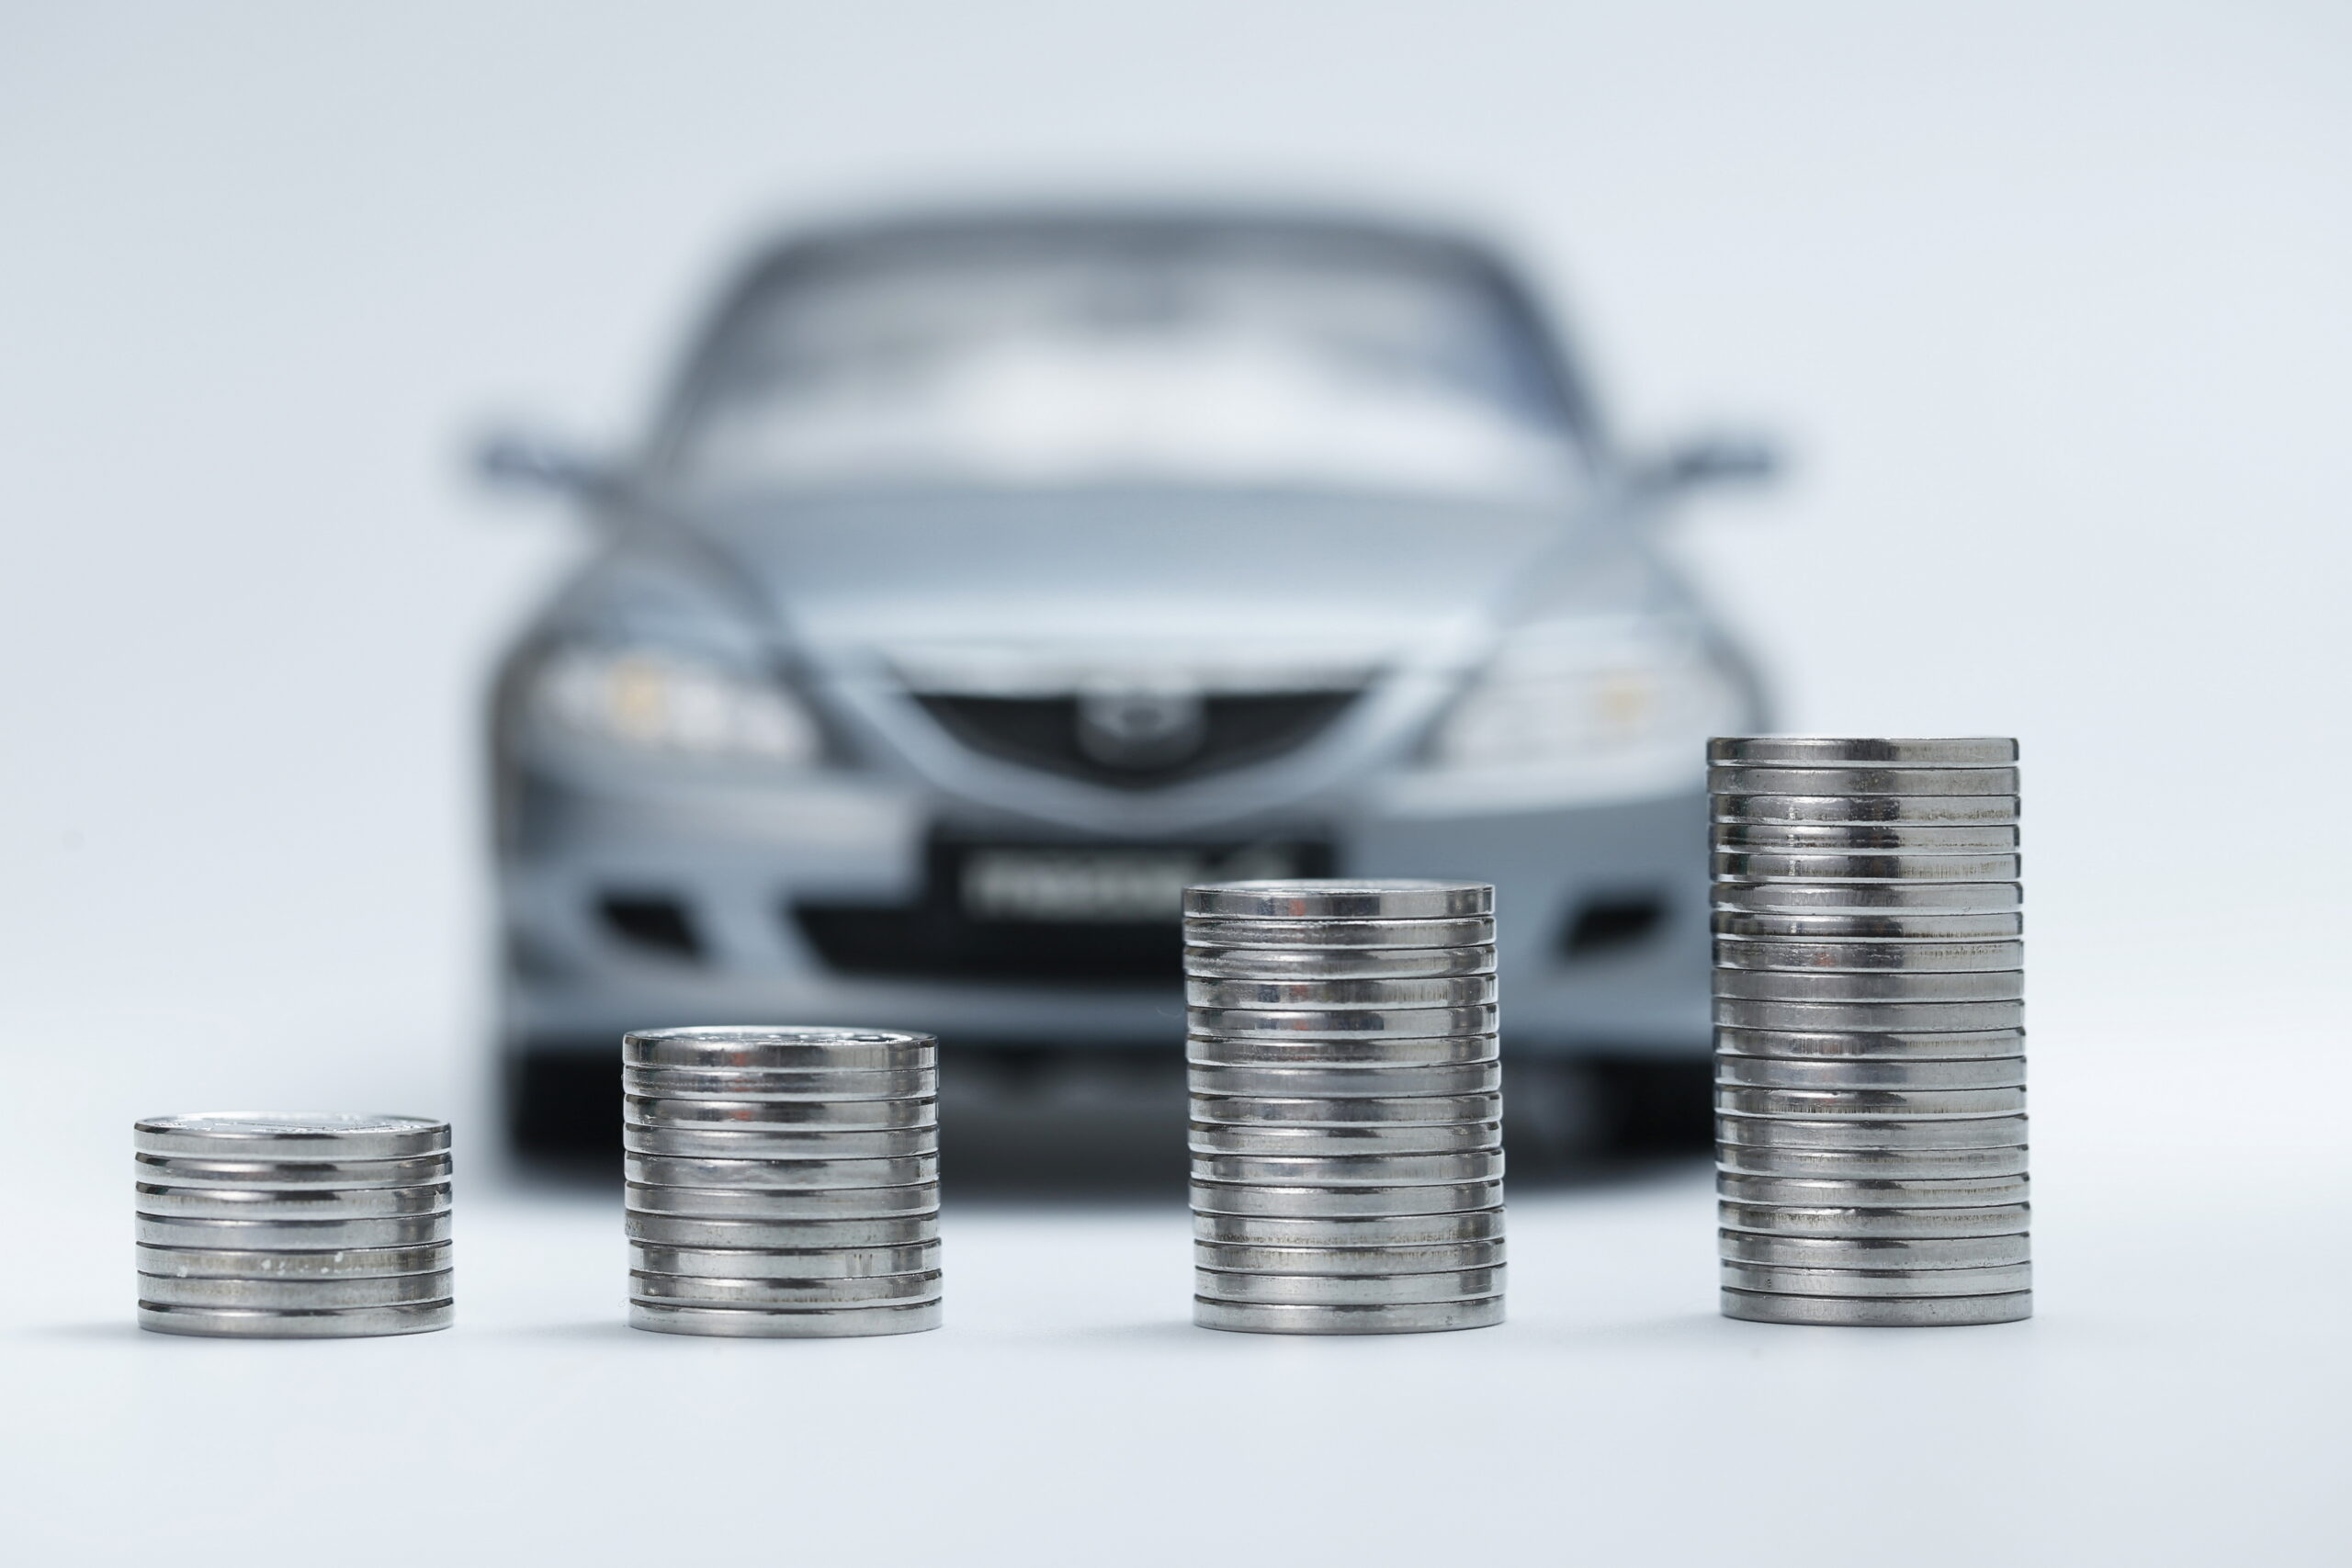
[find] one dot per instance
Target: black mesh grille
(1043, 732)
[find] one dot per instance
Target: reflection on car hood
(935, 583)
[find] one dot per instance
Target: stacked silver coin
(292, 1226)
(1347, 1107)
(1869, 1038)
(783, 1182)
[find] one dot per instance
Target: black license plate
(1106, 883)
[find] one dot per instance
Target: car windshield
(1203, 359)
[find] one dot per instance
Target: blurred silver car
(990, 576)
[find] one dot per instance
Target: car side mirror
(512, 460)
(1710, 461)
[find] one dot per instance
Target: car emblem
(1141, 726)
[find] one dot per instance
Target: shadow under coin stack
(783, 1183)
(1347, 1107)
(262, 1226)
(1870, 1039)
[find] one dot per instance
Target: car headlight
(664, 702)
(1565, 699)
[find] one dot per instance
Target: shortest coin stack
(783, 1182)
(269, 1226)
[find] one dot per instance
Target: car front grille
(1047, 733)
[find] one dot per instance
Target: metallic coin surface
(1347, 1111)
(1902, 1018)
(1363, 1231)
(1774, 1072)
(1303, 1202)
(914, 1083)
(289, 1134)
(424, 1171)
(752, 1230)
(1338, 1023)
(1911, 988)
(1882, 1312)
(1352, 1170)
(1339, 898)
(1779, 866)
(1837, 808)
(279, 1295)
(788, 1049)
(1862, 751)
(1363, 1051)
(1874, 1192)
(1864, 1282)
(1780, 1219)
(346, 1322)
(785, 1323)
(348, 1263)
(284, 1203)
(890, 1186)
(752, 1117)
(764, 1292)
(1872, 1133)
(782, 1163)
(1403, 1138)
(291, 1236)
(1875, 1252)
(1337, 964)
(1883, 926)
(1872, 1044)
(1446, 991)
(862, 1114)
(1435, 1317)
(1864, 1164)
(1850, 838)
(1769, 953)
(1742, 778)
(1475, 930)
(1833, 1104)
(799, 1263)
(1868, 897)
(1426, 1259)
(1348, 1289)
(787, 1089)
(800, 1142)
(1345, 1083)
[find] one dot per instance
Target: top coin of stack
(1870, 1039)
(783, 1182)
(1346, 1133)
(274, 1225)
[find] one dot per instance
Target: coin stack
(1347, 1107)
(1870, 1039)
(262, 1226)
(783, 1183)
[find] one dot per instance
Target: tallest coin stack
(1870, 1040)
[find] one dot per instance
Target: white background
(2050, 305)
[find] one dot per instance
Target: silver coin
(291, 1236)
(1428, 1257)
(1774, 953)
(913, 1084)
(290, 1176)
(1900, 1018)
(1337, 963)
(800, 1263)
(1348, 1289)
(1871, 1045)
(1835, 1104)
(346, 1322)
(281, 1204)
(1741, 779)
(1365, 1050)
(1423, 1318)
(761, 1292)
(1862, 751)
(1346, 1083)
(779, 1167)
(770, 1142)
(1909, 1135)
(1772, 1072)
(1352, 1170)
(346, 1263)
(1474, 931)
(779, 1234)
(758, 1116)
(1906, 899)
(1874, 1192)
(289, 1134)
(301, 1295)
(1778, 1219)
(1881, 1312)
(769, 1229)
(748, 1176)
(786, 1323)
(1404, 1138)
(1898, 926)
(1450, 991)
(777, 1084)
(1340, 1202)
(791, 1049)
(1359, 1231)
(1351, 1112)
(1866, 1282)
(1875, 1252)
(1783, 865)
(1855, 837)
(1756, 1159)
(1837, 808)
(1314, 1023)
(1338, 898)
(849, 1113)
(1848, 985)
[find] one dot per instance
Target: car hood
(980, 582)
